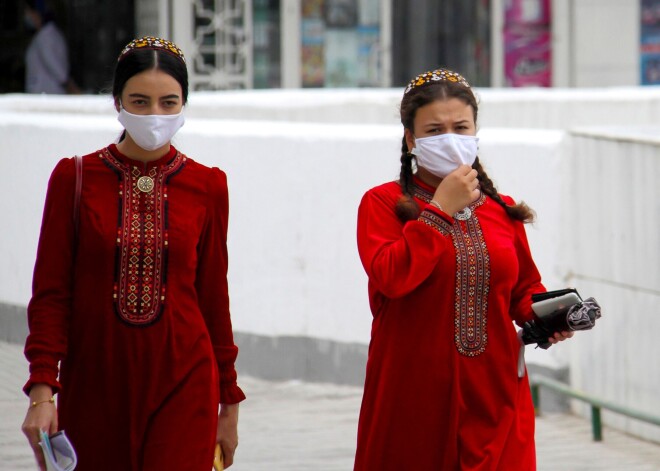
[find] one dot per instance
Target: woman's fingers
(458, 189)
(38, 418)
(228, 453)
(33, 437)
(227, 433)
(559, 336)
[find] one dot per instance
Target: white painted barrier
(540, 108)
(294, 193)
(613, 211)
(295, 186)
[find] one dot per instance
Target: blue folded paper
(58, 452)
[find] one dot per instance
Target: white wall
(294, 191)
(613, 254)
(515, 108)
(295, 187)
(32, 144)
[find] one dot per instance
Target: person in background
(449, 271)
(129, 318)
(47, 56)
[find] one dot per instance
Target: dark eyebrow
(166, 97)
(442, 125)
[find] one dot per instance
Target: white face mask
(444, 153)
(151, 131)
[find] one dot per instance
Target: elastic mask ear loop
(412, 151)
(122, 136)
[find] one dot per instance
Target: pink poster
(528, 43)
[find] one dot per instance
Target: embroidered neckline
(472, 287)
(142, 241)
(472, 274)
(163, 160)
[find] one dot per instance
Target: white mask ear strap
(414, 150)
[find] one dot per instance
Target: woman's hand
(43, 416)
(561, 336)
(457, 190)
(227, 435)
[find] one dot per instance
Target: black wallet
(577, 315)
(536, 297)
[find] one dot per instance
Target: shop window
(340, 43)
(266, 44)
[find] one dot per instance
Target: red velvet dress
(442, 390)
(136, 308)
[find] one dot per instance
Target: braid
(519, 212)
(406, 208)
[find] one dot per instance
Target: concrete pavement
(296, 426)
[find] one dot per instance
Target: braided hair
(416, 97)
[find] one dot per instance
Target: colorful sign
(527, 43)
(650, 42)
(340, 43)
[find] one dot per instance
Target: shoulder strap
(76, 201)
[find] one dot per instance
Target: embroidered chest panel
(139, 291)
(472, 277)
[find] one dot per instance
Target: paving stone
(296, 426)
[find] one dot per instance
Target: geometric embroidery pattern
(142, 240)
(472, 287)
(438, 223)
(472, 276)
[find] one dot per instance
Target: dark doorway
(427, 34)
(95, 31)
(14, 40)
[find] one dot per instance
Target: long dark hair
(407, 208)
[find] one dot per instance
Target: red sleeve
(50, 306)
(399, 257)
(529, 279)
(212, 288)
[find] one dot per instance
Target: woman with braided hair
(449, 271)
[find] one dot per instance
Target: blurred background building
(235, 44)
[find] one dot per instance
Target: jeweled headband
(438, 75)
(152, 42)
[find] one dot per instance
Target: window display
(340, 43)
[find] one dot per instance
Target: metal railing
(538, 381)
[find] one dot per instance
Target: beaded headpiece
(438, 75)
(152, 42)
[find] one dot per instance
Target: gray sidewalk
(292, 425)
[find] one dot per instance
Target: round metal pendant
(464, 214)
(145, 184)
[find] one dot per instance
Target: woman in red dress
(129, 318)
(449, 270)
